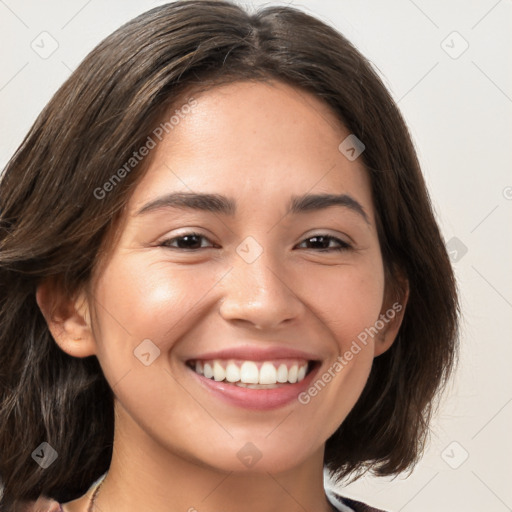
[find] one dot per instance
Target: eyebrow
(219, 204)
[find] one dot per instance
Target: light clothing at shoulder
(348, 505)
(337, 502)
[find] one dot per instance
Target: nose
(260, 294)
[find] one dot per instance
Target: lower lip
(258, 399)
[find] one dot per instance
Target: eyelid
(342, 237)
(165, 241)
(342, 244)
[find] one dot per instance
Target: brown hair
(53, 226)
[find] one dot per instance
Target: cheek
(348, 301)
(137, 301)
(348, 305)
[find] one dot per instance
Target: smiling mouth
(253, 374)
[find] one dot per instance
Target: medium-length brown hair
(53, 226)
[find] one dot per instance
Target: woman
(311, 322)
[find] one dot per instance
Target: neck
(143, 475)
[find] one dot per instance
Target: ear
(392, 313)
(68, 318)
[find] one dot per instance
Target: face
(215, 319)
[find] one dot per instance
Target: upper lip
(248, 353)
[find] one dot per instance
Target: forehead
(253, 141)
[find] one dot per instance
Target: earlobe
(68, 319)
(391, 316)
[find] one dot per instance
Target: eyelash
(344, 246)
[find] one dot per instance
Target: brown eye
(321, 242)
(188, 241)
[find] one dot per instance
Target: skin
(175, 446)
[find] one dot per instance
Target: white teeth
(218, 371)
(250, 374)
(256, 386)
(208, 371)
(292, 374)
(282, 373)
(232, 372)
(268, 374)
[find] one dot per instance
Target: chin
(253, 457)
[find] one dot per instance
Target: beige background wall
(448, 64)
